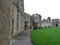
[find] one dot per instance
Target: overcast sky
(45, 8)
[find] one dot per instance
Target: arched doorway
(56, 25)
(26, 24)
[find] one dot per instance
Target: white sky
(46, 8)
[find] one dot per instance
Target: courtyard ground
(23, 38)
(46, 36)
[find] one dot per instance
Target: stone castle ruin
(45, 22)
(13, 20)
(56, 22)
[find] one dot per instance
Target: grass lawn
(46, 36)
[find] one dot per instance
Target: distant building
(55, 22)
(37, 19)
(45, 23)
(31, 21)
(49, 21)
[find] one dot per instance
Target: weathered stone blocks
(5, 22)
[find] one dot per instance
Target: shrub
(45, 26)
(40, 27)
(48, 26)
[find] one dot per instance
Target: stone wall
(46, 23)
(18, 24)
(5, 22)
(14, 20)
(22, 14)
(37, 19)
(27, 19)
(55, 21)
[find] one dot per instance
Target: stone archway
(26, 24)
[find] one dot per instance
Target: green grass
(46, 36)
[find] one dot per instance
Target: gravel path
(23, 38)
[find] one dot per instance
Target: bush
(48, 26)
(35, 27)
(40, 27)
(45, 26)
